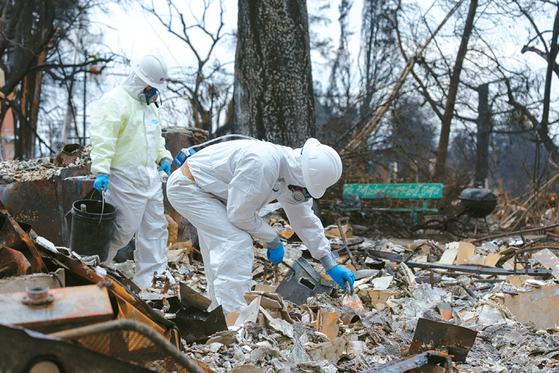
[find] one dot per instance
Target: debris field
(419, 305)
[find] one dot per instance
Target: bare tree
(442, 150)
(378, 53)
(31, 45)
(339, 93)
(207, 94)
(550, 50)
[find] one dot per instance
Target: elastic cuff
(274, 244)
(165, 159)
(328, 262)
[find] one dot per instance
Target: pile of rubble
(71, 155)
(483, 305)
(420, 299)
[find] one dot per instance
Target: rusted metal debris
(12, 262)
(131, 348)
(431, 335)
(413, 362)
(14, 236)
(31, 351)
(49, 310)
(70, 154)
(302, 282)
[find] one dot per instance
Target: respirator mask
(149, 95)
(299, 194)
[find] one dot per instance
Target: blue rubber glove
(339, 273)
(166, 166)
(276, 255)
(101, 183)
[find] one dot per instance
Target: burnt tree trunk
(483, 134)
(439, 173)
(273, 97)
(543, 129)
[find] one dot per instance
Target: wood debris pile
(12, 171)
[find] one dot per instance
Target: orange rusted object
(68, 155)
(129, 305)
(13, 236)
(12, 262)
(64, 308)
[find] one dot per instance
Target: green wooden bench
(413, 192)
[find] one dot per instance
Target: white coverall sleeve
(307, 226)
(108, 119)
(249, 189)
(162, 152)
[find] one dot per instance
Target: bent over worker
(128, 152)
(220, 190)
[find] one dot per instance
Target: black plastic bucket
(92, 227)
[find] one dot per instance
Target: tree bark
(442, 150)
(483, 122)
(273, 96)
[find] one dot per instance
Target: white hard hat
(322, 167)
(152, 70)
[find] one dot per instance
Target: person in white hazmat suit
(220, 190)
(128, 152)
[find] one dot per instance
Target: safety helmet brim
(321, 167)
(135, 64)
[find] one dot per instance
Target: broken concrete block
(354, 348)
(268, 288)
(490, 316)
(332, 350)
(382, 283)
(226, 337)
(465, 250)
(449, 256)
(518, 281)
(476, 259)
(509, 264)
(538, 306)
(377, 298)
(247, 368)
(492, 259)
(548, 260)
(18, 284)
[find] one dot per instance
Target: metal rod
(516, 232)
(342, 235)
(137, 327)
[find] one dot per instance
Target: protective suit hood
(291, 170)
(134, 85)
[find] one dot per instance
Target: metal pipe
(511, 233)
(137, 327)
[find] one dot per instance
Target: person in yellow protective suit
(220, 190)
(128, 153)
